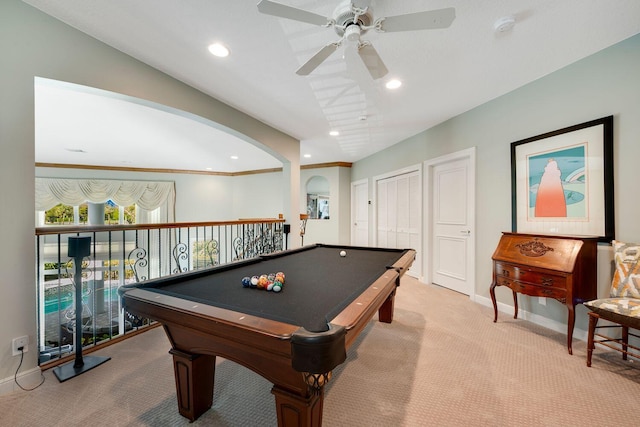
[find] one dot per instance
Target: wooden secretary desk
(559, 267)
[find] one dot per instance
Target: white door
(408, 217)
(386, 213)
(399, 214)
(451, 214)
(360, 213)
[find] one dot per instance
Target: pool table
(293, 338)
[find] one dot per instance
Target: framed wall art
(562, 181)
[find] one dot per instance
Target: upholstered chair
(622, 308)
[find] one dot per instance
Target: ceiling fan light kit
(352, 33)
(353, 18)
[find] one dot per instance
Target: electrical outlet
(20, 342)
(542, 300)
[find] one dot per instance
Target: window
(62, 214)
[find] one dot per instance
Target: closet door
(386, 224)
(408, 214)
(399, 219)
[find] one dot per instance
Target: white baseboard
(533, 318)
(27, 379)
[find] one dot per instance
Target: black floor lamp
(79, 247)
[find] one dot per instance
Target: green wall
(606, 83)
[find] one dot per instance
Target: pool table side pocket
(404, 263)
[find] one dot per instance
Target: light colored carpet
(442, 362)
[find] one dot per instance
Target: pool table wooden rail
(199, 332)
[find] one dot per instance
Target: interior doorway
(360, 213)
(450, 221)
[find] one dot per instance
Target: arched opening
(318, 197)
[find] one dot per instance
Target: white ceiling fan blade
(429, 20)
(317, 59)
(283, 11)
(372, 61)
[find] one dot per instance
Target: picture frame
(562, 182)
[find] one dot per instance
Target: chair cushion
(625, 311)
(626, 279)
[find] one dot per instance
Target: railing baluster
(142, 257)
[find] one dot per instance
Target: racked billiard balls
(263, 281)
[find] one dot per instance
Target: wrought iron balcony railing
(122, 254)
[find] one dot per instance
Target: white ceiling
(444, 72)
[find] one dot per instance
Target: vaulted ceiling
(444, 72)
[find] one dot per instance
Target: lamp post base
(69, 370)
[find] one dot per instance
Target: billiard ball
(246, 282)
(254, 281)
(263, 281)
(343, 253)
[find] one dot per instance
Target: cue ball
(343, 253)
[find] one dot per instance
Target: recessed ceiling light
(234, 157)
(306, 156)
(393, 84)
(334, 133)
(218, 49)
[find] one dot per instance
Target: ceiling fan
(351, 19)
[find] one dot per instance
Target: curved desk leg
(570, 323)
(492, 291)
(515, 304)
(593, 322)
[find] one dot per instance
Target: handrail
(68, 229)
(122, 254)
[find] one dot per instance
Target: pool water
(64, 301)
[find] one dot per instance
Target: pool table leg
(194, 382)
(298, 411)
(385, 313)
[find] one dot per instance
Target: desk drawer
(514, 272)
(532, 289)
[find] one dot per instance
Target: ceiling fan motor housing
(344, 15)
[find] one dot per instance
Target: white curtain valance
(146, 194)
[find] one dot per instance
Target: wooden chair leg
(625, 341)
(593, 321)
